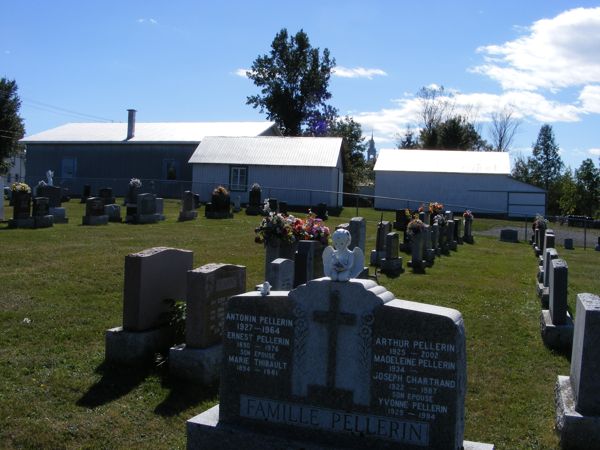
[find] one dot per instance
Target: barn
(479, 181)
(303, 171)
(110, 154)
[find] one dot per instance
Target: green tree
(546, 166)
(522, 169)
(293, 81)
(587, 179)
(409, 140)
(568, 200)
(457, 133)
(11, 124)
(353, 158)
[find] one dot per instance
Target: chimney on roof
(130, 123)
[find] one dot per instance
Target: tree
(11, 124)
(436, 106)
(294, 81)
(503, 128)
(409, 140)
(522, 169)
(546, 161)
(587, 179)
(353, 158)
(457, 133)
(568, 200)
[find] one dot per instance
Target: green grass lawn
(67, 281)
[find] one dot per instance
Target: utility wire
(58, 110)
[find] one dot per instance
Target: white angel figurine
(339, 263)
(49, 176)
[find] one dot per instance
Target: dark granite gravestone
(131, 197)
(283, 208)
(452, 244)
(543, 290)
(87, 192)
(549, 242)
(569, 244)
(41, 213)
(556, 322)
(145, 211)
(254, 202)
(468, 233)
(274, 205)
(428, 250)
(153, 277)
(435, 239)
(321, 211)
(208, 288)
(196, 201)
(106, 194)
(358, 233)
(391, 264)
(577, 397)
(53, 193)
(417, 263)
(94, 212)
(188, 212)
(383, 228)
(598, 245)
(458, 232)
(401, 220)
(339, 364)
(306, 262)
(281, 274)
(219, 207)
(113, 212)
(21, 203)
(508, 235)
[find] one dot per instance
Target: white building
(479, 181)
(299, 170)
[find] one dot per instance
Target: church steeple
(371, 152)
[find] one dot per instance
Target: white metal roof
(176, 132)
(447, 161)
(269, 151)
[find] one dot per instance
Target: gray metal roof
(446, 161)
(165, 132)
(269, 151)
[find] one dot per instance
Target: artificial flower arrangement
(20, 187)
(468, 214)
(540, 222)
(436, 208)
(415, 226)
(290, 229)
(440, 219)
(135, 182)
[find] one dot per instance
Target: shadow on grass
(115, 383)
(183, 395)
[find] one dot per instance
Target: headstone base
(94, 220)
(540, 274)
(538, 251)
(541, 261)
(187, 215)
(254, 210)
(576, 432)
(468, 239)
(376, 257)
(544, 295)
(558, 337)
(452, 245)
(146, 218)
(43, 221)
(60, 215)
(205, 431)
(132, 348)
(508, 235)
(569, 244)
(417, 267)
(392, 266)
(200, 365)
(21, 223)
(430, 257)
(597, 248)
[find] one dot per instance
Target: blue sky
(180, 61)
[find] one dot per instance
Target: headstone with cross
(337, 362)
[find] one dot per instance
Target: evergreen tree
(409, 140)
(293, 80)
(588, 187)
(11, 124)
(546, 161)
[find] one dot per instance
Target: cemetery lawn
(61, 288)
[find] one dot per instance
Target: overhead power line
(64, 111)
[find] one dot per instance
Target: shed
(303, 171)
(110, 154)
(479, 181)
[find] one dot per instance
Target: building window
(69, 167)
(238, 178)
(170, 169)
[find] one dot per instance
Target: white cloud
(594, 151)
(478, 107)
(555, 53)
(241, 72)
(590, 98)
(149, 20)
(357, 72)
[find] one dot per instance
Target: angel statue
(339, 263)
(49, 176)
